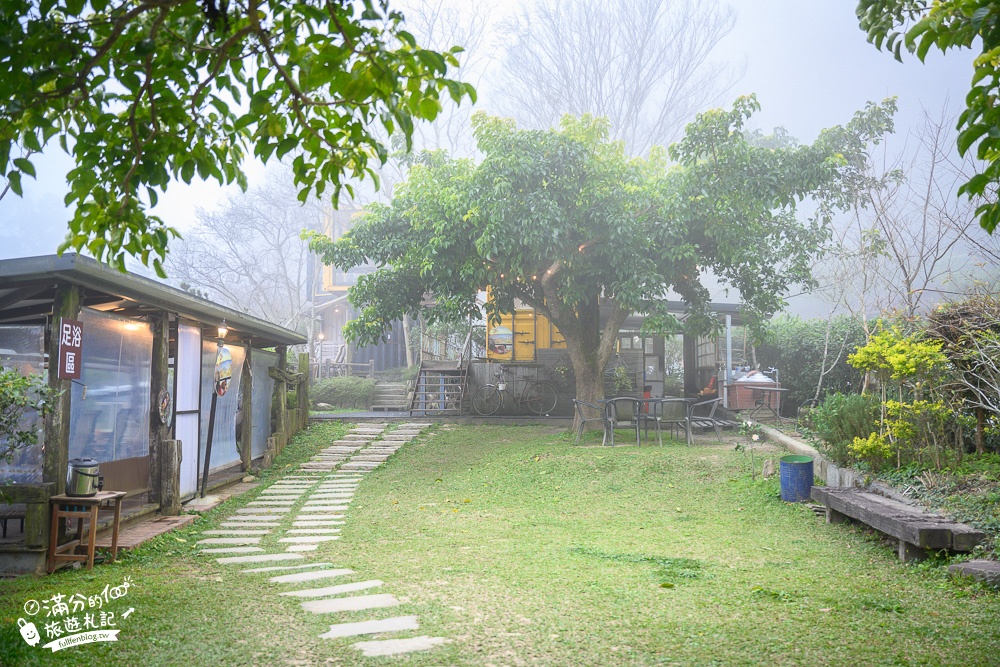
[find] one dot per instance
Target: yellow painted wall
(531, 332)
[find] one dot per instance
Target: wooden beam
(55, 459)
(160, 324)
(246, 430)
(22, 294)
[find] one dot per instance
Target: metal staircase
(441, 383)
(440, 388)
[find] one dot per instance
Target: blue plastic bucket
(796, 478)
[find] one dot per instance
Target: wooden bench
(916, 530)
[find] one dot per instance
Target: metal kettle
(84, 478)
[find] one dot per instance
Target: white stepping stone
(335, 590)
(313, 531)
(315, 575)
(324, 508)
(270, 503)
(396, 624)
(249, 524)
(236, 541)
(302, 547)
(278, 568)
(253, 517)
(232, 550)
(304, 539)
(317, 524)
(379, 647)
(254, 511)
(357, 603)
(319, 517)
(235, 533)
(262, 558)
(331, 496)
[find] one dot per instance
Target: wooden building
(141, 387)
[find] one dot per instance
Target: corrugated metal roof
(27, 286)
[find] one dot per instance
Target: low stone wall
(832, 474)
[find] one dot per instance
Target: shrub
(841, 418)
(795, 347)
(22, 399)
(344, 392)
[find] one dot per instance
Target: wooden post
(56, 457)
(158, 381)
(303, 392)
(281, 389)
(371, 369)
(246, 430)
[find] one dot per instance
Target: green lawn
(523, 549)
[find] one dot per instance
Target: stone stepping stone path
(396, 624)
(334, 590)
(262, 558)
(300, 577)
(307, 508)
(313, 531)
(384, 647)
(357, 603)
(232, 550)
(279, 568)
(305, 539)
(241, 541)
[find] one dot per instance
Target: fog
(808, 63)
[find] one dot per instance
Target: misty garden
(549, 332)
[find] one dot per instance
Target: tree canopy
(566, 222)
(142, 92)
(920, 25)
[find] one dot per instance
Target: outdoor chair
(666, 411)
(703, 415)
(589, 412)
(622, 411)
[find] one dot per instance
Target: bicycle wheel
(541, 398)
(487, 400)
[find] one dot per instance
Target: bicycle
(538, 397)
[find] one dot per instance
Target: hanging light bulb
(223, 329)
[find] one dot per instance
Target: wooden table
(80, 508)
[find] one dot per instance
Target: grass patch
(522, 548)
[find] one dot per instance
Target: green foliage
(343, 392)
(894, 355)
(621, 380)
(840, 419)
(20, 395)
(947, 24)
(796, 347)
(561, 218)
(143, 93)
(874, 450)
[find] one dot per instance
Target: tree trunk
(980, 428)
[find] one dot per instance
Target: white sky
(808, 62)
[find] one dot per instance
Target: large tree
(567, 222)
(919, 25)
(141, 92)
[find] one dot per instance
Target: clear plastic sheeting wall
(109, 417)
(263, 391)
(224, 449)
(22, 348)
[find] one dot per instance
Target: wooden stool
(68, 507)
